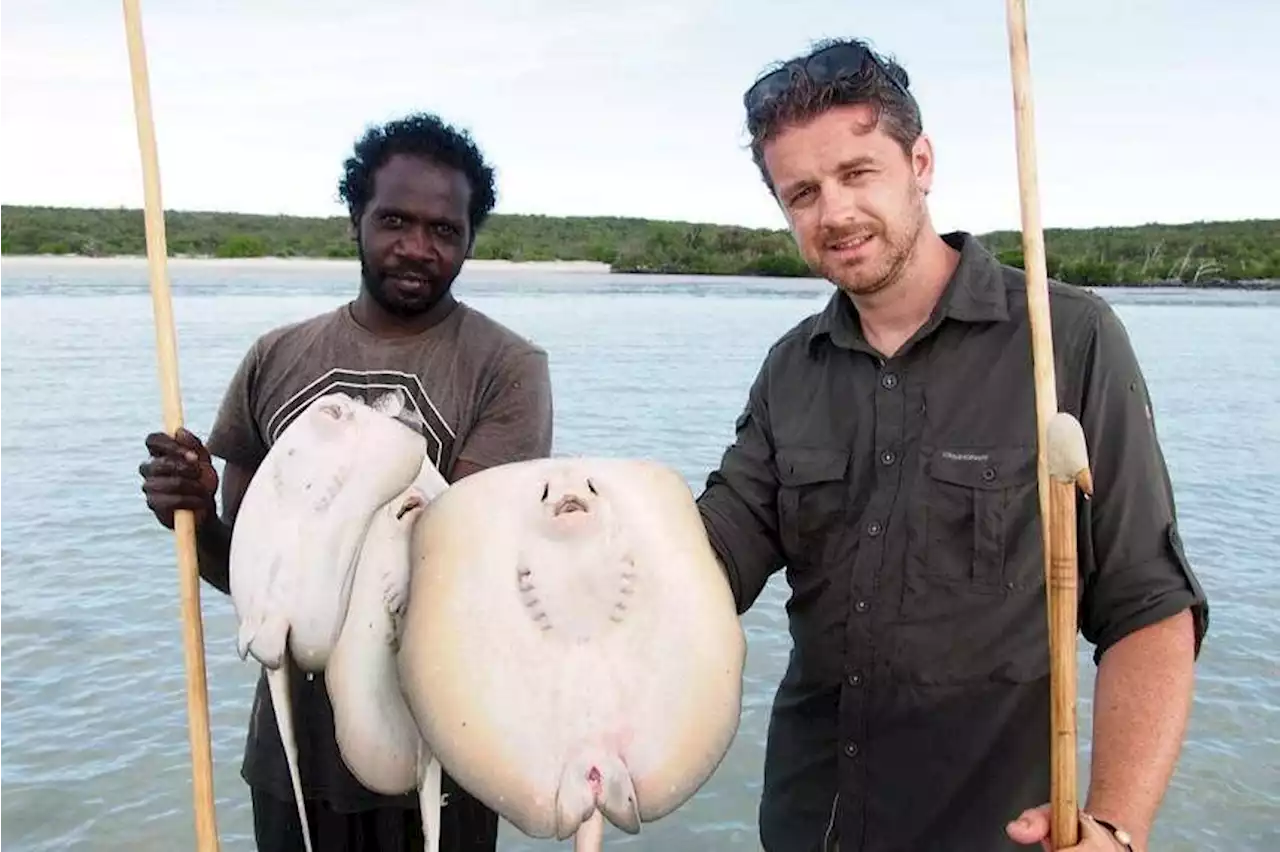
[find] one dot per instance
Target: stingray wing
(305, 514)
(262, 569)
(468, 685)
(683, 625)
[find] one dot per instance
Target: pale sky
(1146, 110)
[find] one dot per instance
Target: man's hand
(1033, 827)
(178, 475)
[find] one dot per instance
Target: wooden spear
(183, 521)
(1062, 461)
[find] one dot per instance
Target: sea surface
(95, 749)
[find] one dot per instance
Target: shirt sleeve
(739, 504)
(235, 436)
(1134, 568)
(515, 423)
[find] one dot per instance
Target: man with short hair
(886, 456)
(417, 191)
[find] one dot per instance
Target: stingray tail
(429, 798)
(282, 705)
(590, 835)
(595, 781)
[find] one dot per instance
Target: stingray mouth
(568, 505)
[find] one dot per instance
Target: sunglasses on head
(825, 66)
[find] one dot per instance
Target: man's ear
(922, 162)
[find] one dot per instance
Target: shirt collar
(975, 293)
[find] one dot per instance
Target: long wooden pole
(1062, 462)
(183, 521)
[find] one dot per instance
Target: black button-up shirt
(900, 495)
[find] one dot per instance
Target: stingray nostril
(546, 489)
(592, 488)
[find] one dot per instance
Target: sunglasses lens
(823, 67)
(767, 89)
(840, 60)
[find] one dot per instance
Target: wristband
(1121, 836)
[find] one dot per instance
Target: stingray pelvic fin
(596, 781)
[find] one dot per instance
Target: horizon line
(589, 217)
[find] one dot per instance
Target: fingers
(171, 467)
(1031, 826)
(175, 486)
(178, 474)
(183, 445)
(163, 506)
(189, 441)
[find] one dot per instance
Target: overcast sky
(1147, 110)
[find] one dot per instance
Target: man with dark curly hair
(886, 457)
(417, 191)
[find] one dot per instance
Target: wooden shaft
(183, 521)
(1062, 632)
(1063, 663)
(1033, 252)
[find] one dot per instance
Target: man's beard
(374, 282)
(896, 249)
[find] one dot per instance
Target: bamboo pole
(1062, 462)
(183, 521)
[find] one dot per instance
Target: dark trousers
(466, 826)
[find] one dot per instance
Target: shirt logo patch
(969, 457)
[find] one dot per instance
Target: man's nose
(413, 244)
(839, 206)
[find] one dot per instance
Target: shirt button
(854, 678)
(862, 606)
(851, 749)
(888, 457)
(889, 380)
(873, 529)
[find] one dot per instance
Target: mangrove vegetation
(1195, 253)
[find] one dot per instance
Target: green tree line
(1200, 252)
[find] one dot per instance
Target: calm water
(95, 752)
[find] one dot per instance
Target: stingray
(298, 534)
(570, 651)
(377, 736)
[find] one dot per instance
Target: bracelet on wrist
(1121, 836)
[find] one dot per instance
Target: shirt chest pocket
(977, 522)
(812, 495)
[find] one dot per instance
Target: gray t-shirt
(484, 394)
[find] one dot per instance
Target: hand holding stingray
(298, 535)
(571, 647)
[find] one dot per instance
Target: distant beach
(250, 263)
(483, 265)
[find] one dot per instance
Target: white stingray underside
(377, 737)
(538, 651)
(300, 526)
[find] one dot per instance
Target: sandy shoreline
(250, 263)
(556, 267)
